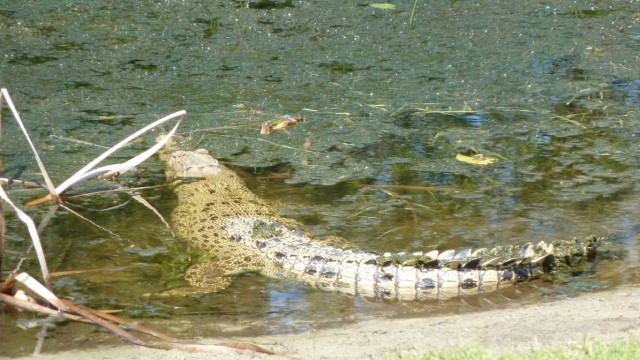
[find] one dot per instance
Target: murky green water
(552, 91)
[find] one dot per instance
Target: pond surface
(388, 97)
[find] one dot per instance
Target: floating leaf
(383, 6)
(279, 124)
(477, 159)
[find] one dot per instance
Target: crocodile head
(192, 164)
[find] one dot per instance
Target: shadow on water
(551, 92)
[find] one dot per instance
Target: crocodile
(218, 214)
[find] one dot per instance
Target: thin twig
(104, 321)
(144, 202)
(413, 12)
(399, 187)
(89, 221)
(564, 118)
(113, 190)
(76, 272)
(361, 211)
(36, 308)
(78, 141)
(390, 231)
(25, 183)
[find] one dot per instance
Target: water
(551, 91)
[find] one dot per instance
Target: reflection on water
(550, 91)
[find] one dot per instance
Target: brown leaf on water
(287, 121)
(265, 129)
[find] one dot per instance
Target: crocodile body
(217, 213)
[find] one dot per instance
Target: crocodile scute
(217, 213)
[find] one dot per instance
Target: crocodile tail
(442, 275)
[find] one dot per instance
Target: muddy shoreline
(607, 315)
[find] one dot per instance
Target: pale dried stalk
(86, 171)
(102, 320)
(33, 232)
(81, 175)
(5, 95)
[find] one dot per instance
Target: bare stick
(89, 221)
(25, 183)
(36, 308)
(66, 306)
